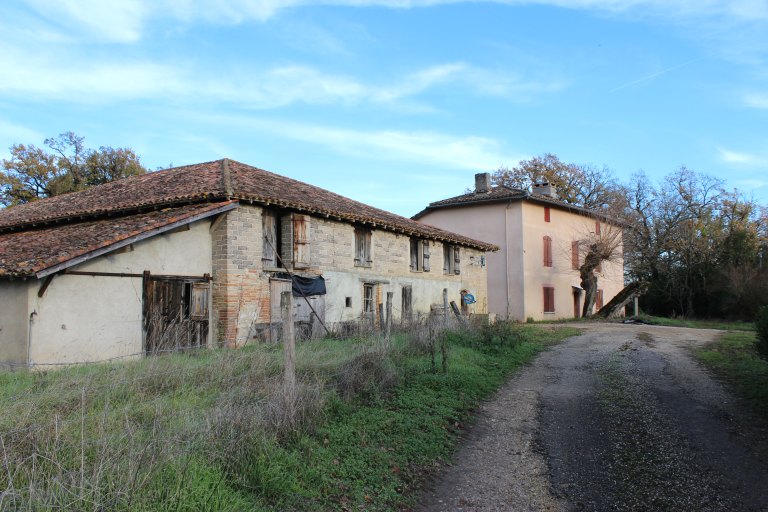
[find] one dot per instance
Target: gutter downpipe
(506, 259)
(29, 339)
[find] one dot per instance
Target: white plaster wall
(564, 228)
(84, 318)
(14, 321)
(425, 292)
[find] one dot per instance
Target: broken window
(363, 247)
(549, 299)
(547, 251)
(419, 255)
(286, 239)
(451, 259)
(369, 302)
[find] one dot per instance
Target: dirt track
(619, 418)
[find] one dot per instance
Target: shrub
(761, 325)
(367, 375)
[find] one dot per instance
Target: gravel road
(618, 418)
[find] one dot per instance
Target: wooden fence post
(445, 308)
(289, 339)
(388, 329)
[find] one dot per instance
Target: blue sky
(396, 103)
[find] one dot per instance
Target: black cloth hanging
(309, 285)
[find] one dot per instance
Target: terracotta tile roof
(215, 181)
(504, 194)
(25, 253)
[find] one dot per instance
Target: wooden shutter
(597, 227)
(549, 299)
(269, 227)
(425, 249)
(547, 251)
(367, 248)
(446, 258)
(414, 255)
(546, 214)
(301, 257)
(599, 300)
(575, 255)
(359, 247)
(198, 303)
(407, 309)
(456, 259)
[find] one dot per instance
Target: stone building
(535, 273)
(199, 255)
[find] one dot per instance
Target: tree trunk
(589, 284)
(622, 298)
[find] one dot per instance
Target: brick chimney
(482, 183)
(544, 188)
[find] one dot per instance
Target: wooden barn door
(175, 313)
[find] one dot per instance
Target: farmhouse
(199, 255)
(535, 274)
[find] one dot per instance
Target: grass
(698, 324)
(735, 359)
(217, 430)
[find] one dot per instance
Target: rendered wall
(14, 322)
(84, 318)
(564, 228)
(490, 223)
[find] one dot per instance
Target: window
(547, 217)
(575, 255)
(363, 247)
(547, 251)
(597, 228)
(419, 255)
(451, 259)
(348, 302)
(369, 306)
(599, 300)
(549, 299)
(286, 239)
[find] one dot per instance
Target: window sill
(363, 265)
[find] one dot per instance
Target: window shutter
(301, 241)
(546, 214)
(456, 260)
(547, 251)
(269, 226)
(597, 227)
(198, 303)
(367, 248)
(575, 255)
(359, 242)
(446, 258)
(425, 247)
(549, 299)
(599, 300)
(414, 255)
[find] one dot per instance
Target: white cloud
(741, 158)
(422, 147)
(125, 21)
(757, 100)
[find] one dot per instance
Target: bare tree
(599, 247)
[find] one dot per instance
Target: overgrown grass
(735, 359)
(698, 324)
(217, 430)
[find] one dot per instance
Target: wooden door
(175, 314)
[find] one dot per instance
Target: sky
(396, 103)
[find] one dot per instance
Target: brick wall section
(241, 296)
(240, 290)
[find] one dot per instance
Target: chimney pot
(482, 183)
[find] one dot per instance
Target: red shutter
(599, 300)
(547, 251)
(549, 299)
(546, 214)
(597, 227)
